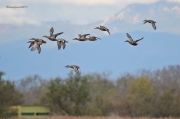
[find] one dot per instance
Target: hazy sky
(73, 11)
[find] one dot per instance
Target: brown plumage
(75, 67)
(63, 43)
(51, 31)
(152, 23)
(60, 41)
(35, 44)
(83, 35)
(131, 41)
(81, 39)
(103, 28)
(93, 38)
(54, 35)
(50, 38)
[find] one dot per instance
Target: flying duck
(75, 67)
(103, 28)
(35, 44)
(131, 41)
(152, 23)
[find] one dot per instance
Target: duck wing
(59, 45)
(103, 27)
(35, 39)
(31, 44)
(108, 31)
(130, 38)
(153, 25)
(76, 68)
(39, 49)
(84, 35)
(51, 31)
(145, 21)
(35, 45)
(63, 44)
(55, 35)
(79, 35)
(138, 39)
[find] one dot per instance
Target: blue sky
(159, 47)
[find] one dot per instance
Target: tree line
(146, 93)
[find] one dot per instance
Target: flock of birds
(36, 42)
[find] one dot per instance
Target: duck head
(67, 66)
(75, 39)
(45, 36)
(43, 41)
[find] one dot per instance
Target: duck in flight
(103, 28)
(54, 35)
(93, 38)
(152, 23)
(35, 44)
(131, 41)
(60, 41)
(83, 35)
(75, 67)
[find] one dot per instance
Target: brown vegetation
(148, 94)
(95, 117)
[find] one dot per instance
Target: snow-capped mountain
(166, 14)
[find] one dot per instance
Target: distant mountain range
(166, 14)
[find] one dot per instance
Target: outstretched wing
(63, 44)
(139, 39)
(130, 38)
(35, 39)
(108, 31)
(76, 68)
(31, 43)
(153, 25)
(79, 35)
(85, 35)
(39, 49)
(34, 46)
(103, 27)
(55, 35)
(59, 45)
(51, 31)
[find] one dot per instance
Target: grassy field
(88, 117)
